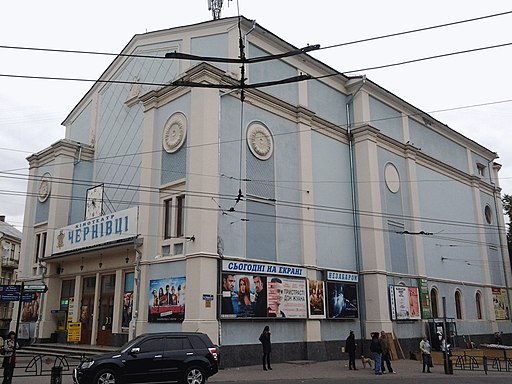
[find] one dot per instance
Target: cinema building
(182, 198)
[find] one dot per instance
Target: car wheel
(106, 376)
(194, 375)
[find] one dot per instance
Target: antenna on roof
(215, 6)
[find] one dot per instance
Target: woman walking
(267, 347)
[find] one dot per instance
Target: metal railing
(41, 364)
(490, 360)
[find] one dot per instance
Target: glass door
(106, 313)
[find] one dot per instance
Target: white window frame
(173, 232)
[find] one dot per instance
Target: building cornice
(65, 147)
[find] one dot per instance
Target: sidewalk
(335, 369)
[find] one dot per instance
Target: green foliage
(507, 208)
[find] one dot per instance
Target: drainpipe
(41, 303)
(135, 315)
(355, 218)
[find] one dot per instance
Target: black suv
(186, 357)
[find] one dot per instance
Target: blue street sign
(10, 288)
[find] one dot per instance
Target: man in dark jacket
(376, 350)
(350, 346)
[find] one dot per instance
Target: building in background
(185, 198)
(10, 244)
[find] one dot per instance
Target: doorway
(106, 306)
(87, 309)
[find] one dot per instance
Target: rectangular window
(40, 247)
(180, 200)
(168, 219)
(480, 169)
(67, 290)
(36, 248)
(43, 246)
(174, 229)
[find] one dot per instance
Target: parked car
(185, 357)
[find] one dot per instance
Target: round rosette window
(175, 132)
(260, 141)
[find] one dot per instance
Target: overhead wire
(124, 82)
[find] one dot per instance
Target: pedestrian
(376, 350)
(267, 347)
(426, 356)
(9, 357)
(386, 354)
(350, 346)
(497, 338)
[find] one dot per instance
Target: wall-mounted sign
(404, 302)
(426, 312)
(262, 268)
(342, 276)
(256, 296)
(316, 299)
(167, 299)
(342, 300)
(499, 299)
(100, 230)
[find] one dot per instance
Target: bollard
(56, 377)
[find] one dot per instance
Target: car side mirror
(134, 351)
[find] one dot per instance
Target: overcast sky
(473, 89)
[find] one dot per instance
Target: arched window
(478, 303)
(433, 302)
(458, 305)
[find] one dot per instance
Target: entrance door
(106, 313)
(87, 309)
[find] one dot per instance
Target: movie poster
(243, 296)
(257, 296)
(167, 299)
(30, 310)
(499, 300)
(407, 303)
(287, 298)
(316, 299)
(342, 300)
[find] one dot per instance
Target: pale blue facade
(323, 200)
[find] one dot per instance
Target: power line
(278, 203)
(176, 55)
(415, 30)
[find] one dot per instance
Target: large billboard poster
(287, 298)
(342, 300)
(166, 299)
(407, 302)
(257, 296)
(316, 299)
(499, 299)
